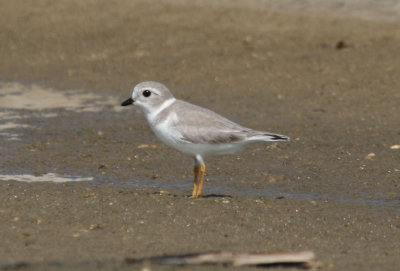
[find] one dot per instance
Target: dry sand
(329, 82)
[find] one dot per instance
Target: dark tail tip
(278, 137)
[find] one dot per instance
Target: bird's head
(149, 96)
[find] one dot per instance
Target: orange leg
(201, 181)
(196, 171)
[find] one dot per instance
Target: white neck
(164, 105)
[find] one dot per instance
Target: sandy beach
(85, 184)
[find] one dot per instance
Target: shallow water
(25, 108)
(49, 177)
(212, 190)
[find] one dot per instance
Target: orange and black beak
(128, 102)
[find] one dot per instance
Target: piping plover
(192, 129)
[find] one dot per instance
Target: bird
(192, 129)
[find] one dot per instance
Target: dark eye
(146, 93)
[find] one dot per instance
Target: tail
(262, 136)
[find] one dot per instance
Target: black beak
(128, 102)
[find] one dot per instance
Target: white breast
(165, 129)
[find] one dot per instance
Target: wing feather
(202, 126)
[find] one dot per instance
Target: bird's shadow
(203, 197)
(213, 196)
(217, 196)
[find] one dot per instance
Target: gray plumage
(199, 125)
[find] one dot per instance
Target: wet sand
(331, 83)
